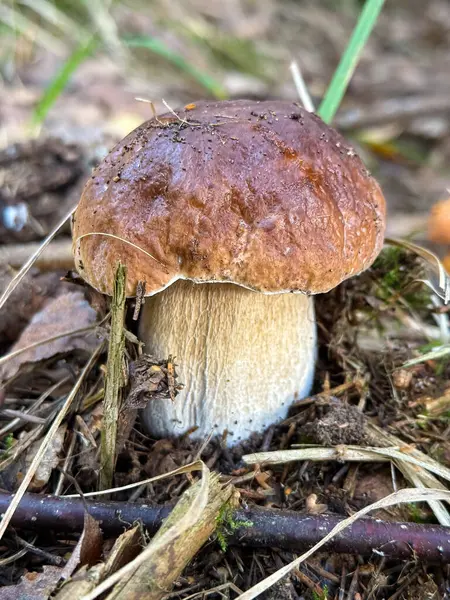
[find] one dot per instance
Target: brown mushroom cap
(261, 194)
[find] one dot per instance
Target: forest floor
(382, 377)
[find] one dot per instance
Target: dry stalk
(419, 473)
(193, 466)
(192, 512)
(416, 466)
(154, 577)
(114, 380)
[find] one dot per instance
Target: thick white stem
(242, 356)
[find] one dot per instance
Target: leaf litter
(342, 429)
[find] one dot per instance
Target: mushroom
(233, 214)
(439, 222)
(439, 228)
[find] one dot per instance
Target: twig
(12, 425)
(49, 558)
(57, 255)
(67, 461)
(403, 496)
(22, 416)
(283, 529)
(114, 381)
(229, 585)
(10, 559)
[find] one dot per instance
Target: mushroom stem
(242, 356)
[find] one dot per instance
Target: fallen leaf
(24, 302)
(63, 314)
(125, 549)
(49, 461)
(88, 550)
(33, 586)
(313, 507)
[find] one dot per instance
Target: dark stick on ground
(283, 529)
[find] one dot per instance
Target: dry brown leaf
(88, 549)
(63, 314)
(50, 460)
(125, 549)
(313, 507)
(24, 302)
(33, 586)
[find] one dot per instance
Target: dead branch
(57, 255)
(283, 529)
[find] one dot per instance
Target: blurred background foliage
(74, 69)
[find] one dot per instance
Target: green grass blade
(349, 60)
(156, 46)
(61, 79)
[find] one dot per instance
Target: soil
(340, 424)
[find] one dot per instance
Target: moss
(417, 514)
(397, 272)
(7, 443)
(226, 525)
(323, 595)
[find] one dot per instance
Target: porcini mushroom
(233, 214)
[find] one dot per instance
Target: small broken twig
(140, 299)
(57, 255)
